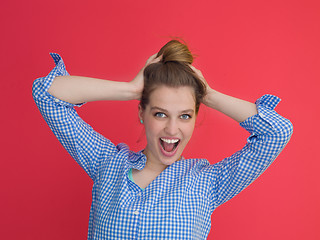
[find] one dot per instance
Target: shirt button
(136, 212)
(56, 100)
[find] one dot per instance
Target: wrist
(209, 98)
(134, 91)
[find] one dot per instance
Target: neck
(153, 165)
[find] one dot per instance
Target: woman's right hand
(138, 81)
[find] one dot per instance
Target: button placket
(136, 212)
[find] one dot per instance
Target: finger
(158, 59)
(197, 71)
(153, 56)
(153, 59)
(194, 69)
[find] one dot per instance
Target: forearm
(235, 108)
(76, 89)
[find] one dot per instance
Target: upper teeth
(170, 140)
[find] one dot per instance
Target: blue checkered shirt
(176, 205)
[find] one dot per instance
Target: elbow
(36, 89)
(288, 127)
(286, 132)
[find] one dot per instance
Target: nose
(172, 127)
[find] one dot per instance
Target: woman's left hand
(138, 81)
(209, 90)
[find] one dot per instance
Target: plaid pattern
(178, 204)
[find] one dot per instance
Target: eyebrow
(164, 110)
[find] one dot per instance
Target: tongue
(168, 147)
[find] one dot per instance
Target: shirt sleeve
(84, 144)
(269, 134)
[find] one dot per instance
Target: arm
(269, 134)
(76, 89)
(51, 96)
(237, 109)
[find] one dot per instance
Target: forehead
(173, 98)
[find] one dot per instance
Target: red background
(245, 49)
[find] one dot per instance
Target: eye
(160, 115)
(185, 116)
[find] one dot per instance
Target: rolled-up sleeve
(269, 134)
(84, 144)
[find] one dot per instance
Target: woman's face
(169, 120)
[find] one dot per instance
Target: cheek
(152, 128)
(188, 130)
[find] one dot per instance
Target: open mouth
(169, 145)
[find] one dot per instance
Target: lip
(170, 138)
(165, 153)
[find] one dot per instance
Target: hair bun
(173, 70)
(175, 51)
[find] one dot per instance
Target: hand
(209, 90)
(138, 81)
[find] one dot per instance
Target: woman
(156, 193)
